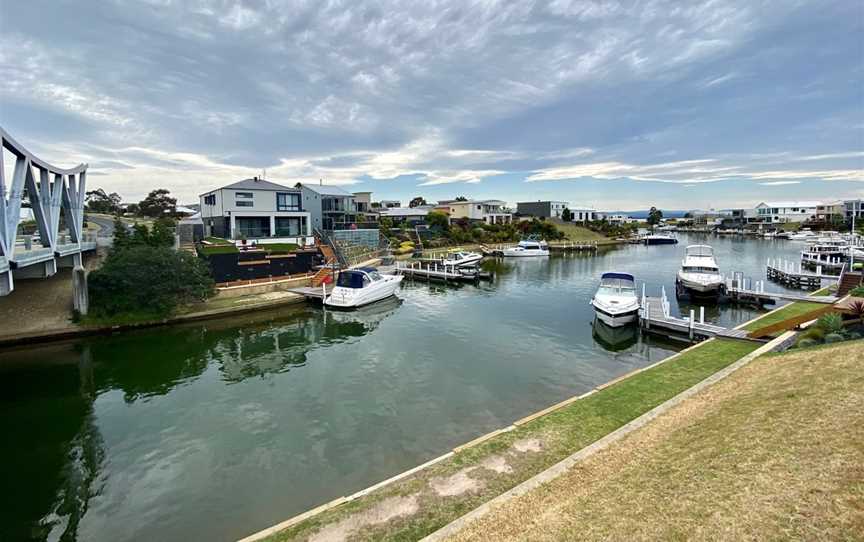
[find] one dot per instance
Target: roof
(791, 203)
(542, 201)
(327, 190)
(403, 211)
(470, 201)
(255, 184)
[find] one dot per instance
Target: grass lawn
(207, 250)
(789, 311)
(771, 453)
(217, 241)
(579, 233)
(422, 503)
(278, 247)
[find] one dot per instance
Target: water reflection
(615, 339)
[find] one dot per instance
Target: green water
(215, 430)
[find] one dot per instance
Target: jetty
(554, 246)
(436, 271)
(655, 317)
(739, 289)
(795, 276)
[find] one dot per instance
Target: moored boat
(362, 286)
(615, 302)
(528, 247)
(460, 259)
(660, 239)
(699, 274)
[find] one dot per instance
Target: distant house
(362, 202)
(390, 203)
(330, 207)
(780, 212)
(584, 214)
(854, 208)
(620, 219)
(541, 209)
(255, 209)
(490, 211)
(405, 215)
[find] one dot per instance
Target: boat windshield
(617, 286)
(352, 279)
(699, 269)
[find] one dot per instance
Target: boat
(362, 286)
(460, 259)
(528, 247)
(660, 239)
(699, 274)
(615, 302)
(805, 234)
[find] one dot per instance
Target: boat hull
(699, 287)
(661, 241)
(615, 318)
(517, 253)
(352, 298)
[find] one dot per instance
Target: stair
(849, 282)
(324, 275)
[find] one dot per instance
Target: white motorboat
(660, 239)
(528, 247)
(616, 303)
(358, 287)
(699, 274)
(805, 234)
(460, 259)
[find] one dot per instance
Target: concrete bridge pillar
(6, 283)
(39, 270)
(80, 297)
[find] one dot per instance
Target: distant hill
(644, 214)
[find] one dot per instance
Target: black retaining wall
(258, 264)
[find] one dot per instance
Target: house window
(210, 200)
(245, 204)
(244, 195)
(286, 201)
(289, 226)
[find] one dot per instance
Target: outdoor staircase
(848, 282)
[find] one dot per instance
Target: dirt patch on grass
(528, 445)
(772, 452)
(496, 463)
(383, 512)
(456, 484)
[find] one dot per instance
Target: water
(214, 430)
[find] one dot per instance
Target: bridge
(51, 191)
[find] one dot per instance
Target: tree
(566, 215)
(437, 219)
(100, 202)
(146, 282)
(654, 216)
(162, 233)
(416, 202)
(158, 203)
(122, 239)
(461, 198)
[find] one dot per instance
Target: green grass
(217, 241)
(561, 433)
(579, 233)
(789, 311)
(208, 250)
(278, 247)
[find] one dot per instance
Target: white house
(620, 219)
(258, 210)
(584, 214)
(776, 212)
(490, 211)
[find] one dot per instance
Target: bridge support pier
(80, 297)
(6, 283)
(39, 270)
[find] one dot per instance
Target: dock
(429, 271)
(655, 317)
(313, 293)
(554, 246)
(742, 290)
(795, 276)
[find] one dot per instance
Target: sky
(605, 104)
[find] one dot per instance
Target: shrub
(857, 292)
(831, 322)
(834, 338)
(814, 333)
(804, 343)
(147, 282)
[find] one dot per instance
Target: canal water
(211, 431)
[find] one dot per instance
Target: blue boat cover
(624, 276)
(350, 279)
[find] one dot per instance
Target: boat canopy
(699, 250)
(351, 279)
(623, 276)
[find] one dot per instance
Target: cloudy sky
(618, 105)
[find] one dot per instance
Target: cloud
(779, 183)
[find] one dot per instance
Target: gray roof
(252, 184)
(327, 190)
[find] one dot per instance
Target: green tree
(158, 203)
(100, 202)
(655, 215)
(461, 198)
(122, 239)
(162, 233)
(566, 215)
(437, 219)
(416, 202)
(140, 235)
(146, 282)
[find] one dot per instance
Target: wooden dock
(655, 317)
(429, 271)
(314, 293)
(795, 276)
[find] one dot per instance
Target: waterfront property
(255, 209)
(490, 211)
(330, 207)
(541, 209)
(585, 214)
(405, 215)
(782, 212)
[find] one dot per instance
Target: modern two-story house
(330, 207)
(256, 209)
(490, 211)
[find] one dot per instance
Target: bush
(857, 292)
(831, 322)
(805, 343)
(814, 333)
(146, 282)
(834, 338)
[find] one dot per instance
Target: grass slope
(771, 453)
(557, 435)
